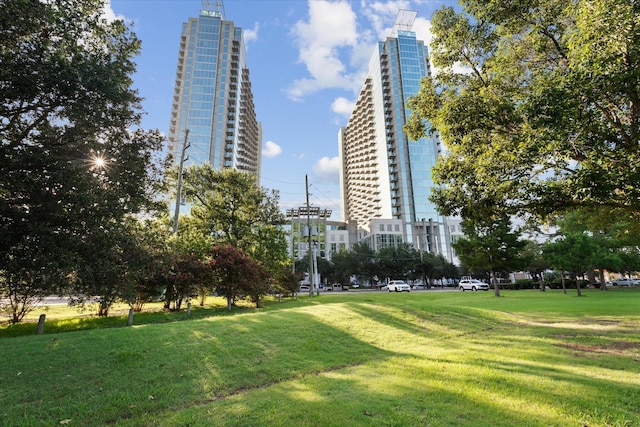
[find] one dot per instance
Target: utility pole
(309, 251)
(176, 213)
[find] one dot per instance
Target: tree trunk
(603, 283)
(103, 309)
(496, 288)
(591, 274)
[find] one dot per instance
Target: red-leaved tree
(236, 275)
(186, 272)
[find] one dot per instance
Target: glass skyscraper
(213, 108)
(384, 175)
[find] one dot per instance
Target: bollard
(41, 324)
(188, 309)
(130, 320)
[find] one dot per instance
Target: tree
(231, 207)
(71, 167)
(538, 104)
(182, 277)
(399, 262)
(491, 244)
(436, 267)
(190, 240)
(343, 267)
(537, 263)
(152, 238)
(610, 232)
(235, 274)
(286, 282)
(31, 273)
(103, 274)
(573, 252)
(270, 252)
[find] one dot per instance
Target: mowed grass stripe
(418, 359)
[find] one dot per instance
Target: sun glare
(99, 162)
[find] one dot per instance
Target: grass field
(362, 359)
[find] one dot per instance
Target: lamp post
(176, 213)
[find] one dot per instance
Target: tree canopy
(73, 165)
(230, 206)
(538, 104)
(491, 244)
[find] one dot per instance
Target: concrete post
(41, 324)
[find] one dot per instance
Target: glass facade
(402, 172)
(212, 97)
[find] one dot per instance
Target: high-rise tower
(384, 174)
(212, 98)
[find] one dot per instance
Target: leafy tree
(608, 231)
(537, 103)
(286, 282)
(436, 267)
(343, 267)
(109, 267)
(270, 251)
(71, 167)
(31, 273)
(629, 259)
(491, 244)
(191, 241)
(363, 262)
(450, 270)
(574, 252)
(402, 262)
(184, 275)
(230, 206)
(325, 269)
(236, 274)
(537, 262)
(154, 253)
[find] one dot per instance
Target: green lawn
(373, 359)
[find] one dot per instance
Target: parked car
(472, 285)
(625, 282)
(304, 288)
(398, 286)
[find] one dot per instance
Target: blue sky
(307, 61)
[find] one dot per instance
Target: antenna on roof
(216, 6)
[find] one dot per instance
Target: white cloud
(335, 43)
(323, 41)
(342, 106)
(327, 169)
(110, 15)
(251, 35)
(271, 149)
(422, 28)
